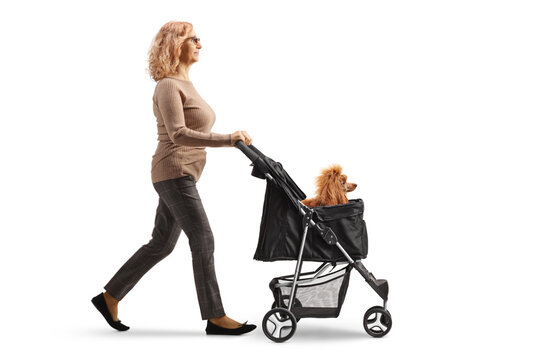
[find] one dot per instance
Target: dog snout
(351, 187)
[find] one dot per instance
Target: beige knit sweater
(184, 121)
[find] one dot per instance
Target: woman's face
(190, 48)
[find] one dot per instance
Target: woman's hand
(241, 135)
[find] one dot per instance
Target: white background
(431, 107)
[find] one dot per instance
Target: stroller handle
(250, 151)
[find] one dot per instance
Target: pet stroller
(335, 236)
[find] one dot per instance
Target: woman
(184, 121)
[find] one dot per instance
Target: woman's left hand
(248, 140)
(241, 135)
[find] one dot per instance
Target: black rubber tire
(282, 316)
(377, 321)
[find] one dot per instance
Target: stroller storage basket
(281, 230)
(317, 297)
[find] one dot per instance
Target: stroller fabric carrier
(335, 236)
(281, 227)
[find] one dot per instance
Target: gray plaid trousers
(180, 208)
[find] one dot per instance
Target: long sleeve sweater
(184, 121)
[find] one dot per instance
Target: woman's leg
(183, 201)
(164, 237)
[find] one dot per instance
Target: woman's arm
(170, 106)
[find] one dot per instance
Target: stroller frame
(380, 286)
(377, 320)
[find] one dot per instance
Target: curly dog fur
(332, 188)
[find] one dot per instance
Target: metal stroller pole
(306, 221)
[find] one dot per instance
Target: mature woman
(184, 121)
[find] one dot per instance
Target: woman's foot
(100, 303)
(225, 322)
(227, 326)
(112, 305)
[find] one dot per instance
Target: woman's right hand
(241, 135)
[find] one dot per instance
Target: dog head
(332, 186)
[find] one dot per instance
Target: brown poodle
(332, 188)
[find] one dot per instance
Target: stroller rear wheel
(279, 324)
(377, 321)
(296, 303)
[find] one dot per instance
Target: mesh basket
(317, 298)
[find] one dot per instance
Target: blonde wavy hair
(166, 49)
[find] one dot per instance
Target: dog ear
(339, 188)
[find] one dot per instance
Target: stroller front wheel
(279, 324)
(377, 321)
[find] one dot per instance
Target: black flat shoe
(213, 329)
(101, 305)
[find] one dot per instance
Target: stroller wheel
(377, 321)
(297, 303)
(279, 324)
